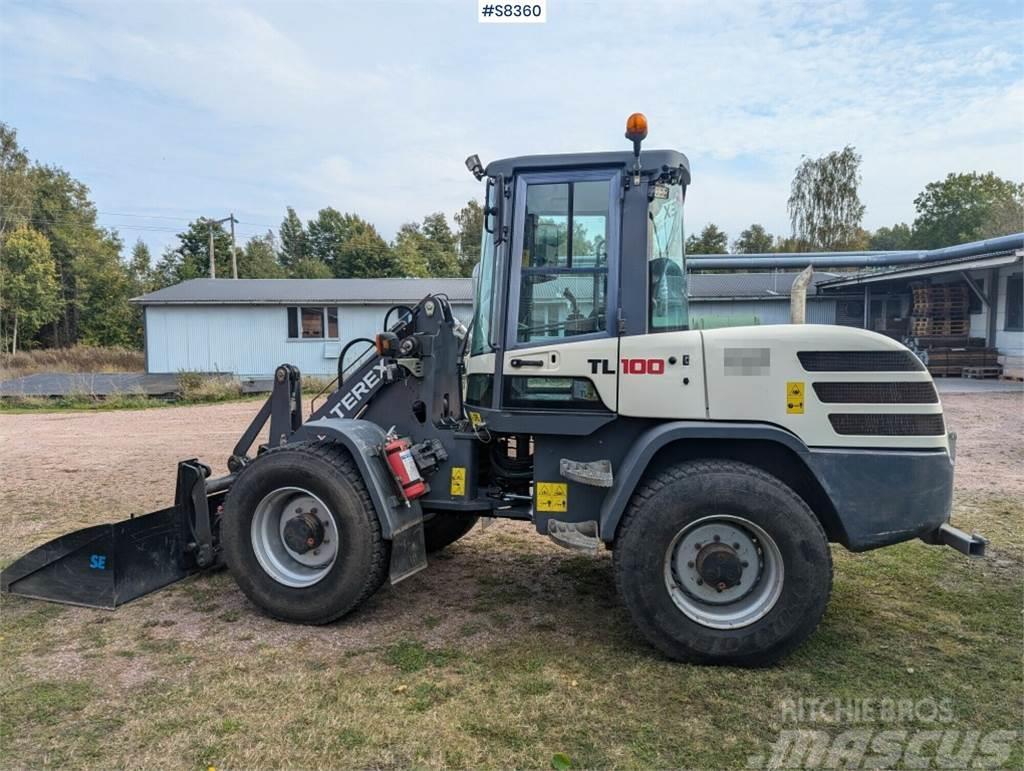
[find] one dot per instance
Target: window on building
(1015, 303)
(310, 322)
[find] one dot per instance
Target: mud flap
(103, 566)
(408, 552)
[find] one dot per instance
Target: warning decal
(795, 397)
(458, 480)
(552, 496)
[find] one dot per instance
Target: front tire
(719, 562)
(300, 534)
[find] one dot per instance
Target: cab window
(563, 283)
(667, 308)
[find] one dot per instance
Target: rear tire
(445, 528)
(697, 598)
(317, 477)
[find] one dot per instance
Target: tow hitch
(971, 544)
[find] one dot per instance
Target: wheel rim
(285, 513)
(724, 572)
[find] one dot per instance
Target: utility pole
(234, 258)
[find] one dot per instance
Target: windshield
(665, 260)
(484, 274)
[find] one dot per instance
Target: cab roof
(649, 161)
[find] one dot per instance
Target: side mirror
(495, 188)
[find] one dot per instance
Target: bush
(78, 358)
(196, 387)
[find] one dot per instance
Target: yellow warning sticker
(795, 397)
(552, 496)
(458, 480)
(475, 419)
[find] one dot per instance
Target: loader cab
(578, 251)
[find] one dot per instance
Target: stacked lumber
(951, 362)
(940, 310)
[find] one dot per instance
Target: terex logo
(629, 366)
(350, 401)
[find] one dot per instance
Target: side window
(665, 266)
(563, 287)
(312, 323)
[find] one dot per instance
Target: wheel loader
(716, 465)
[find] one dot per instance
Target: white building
(250, 326)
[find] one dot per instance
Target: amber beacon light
(636, 127)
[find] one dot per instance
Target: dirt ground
(504, 651)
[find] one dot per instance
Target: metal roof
(386, 291)
(898, 272)
(649, 159)
(290, 291)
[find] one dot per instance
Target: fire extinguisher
(398, 452)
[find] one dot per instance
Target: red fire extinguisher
(399, 456)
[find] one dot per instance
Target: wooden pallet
(981, 373)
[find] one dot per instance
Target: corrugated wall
(766, 311)
(250, 340)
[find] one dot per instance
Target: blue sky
(173, 110)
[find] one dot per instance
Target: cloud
(372, 108)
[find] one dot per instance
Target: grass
(78, 358)
(194, 676)
(194, 388)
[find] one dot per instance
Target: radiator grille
(876, 393)
(888, 425)
(859, 361)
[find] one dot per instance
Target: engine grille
(860, 361)
(876, 393)
(888, 425)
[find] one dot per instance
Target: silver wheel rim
(283, 564)
(724, 606)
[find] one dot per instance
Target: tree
(259, 258)
(439, 245)
(470, 221)
(892, 239)
(293, 239)
(409, 251)
(754, 240)
(29, 289)
(349, 245)
(15, 183)
(310, 267)
(824, 206)
(103, 287)
(967, 207)
(711, 241)
(140, 267)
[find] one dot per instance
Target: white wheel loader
(716, 465)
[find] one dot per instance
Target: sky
(170, 111)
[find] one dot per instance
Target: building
(250, 326)
(882, 299)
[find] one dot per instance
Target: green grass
(417, 679)
(17, 405)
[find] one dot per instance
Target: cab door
(561, 345)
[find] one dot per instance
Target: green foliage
(967, 207)
(310, 267)
(15, 186)
(293, 240)
(439, 242)
(892, 239)
(754, 240)
(259, 259)
(409, 251)
(710, 241)
(30, 291)
(470, 221)
(349, 245)
(824, 205)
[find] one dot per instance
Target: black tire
(664, 505)
(445, 528)
(326, 470)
